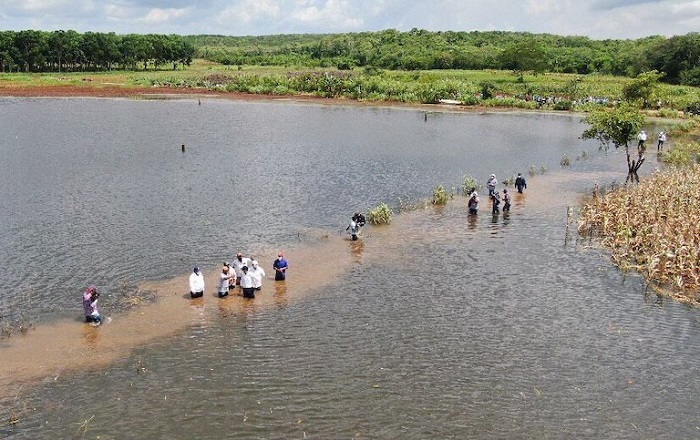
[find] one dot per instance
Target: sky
(597, 19)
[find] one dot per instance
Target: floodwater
(437, 326)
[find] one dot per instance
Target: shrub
(469, 184)
(682, 153)
(563, 105)
(565, 161)
(440, 195)
(380, 215)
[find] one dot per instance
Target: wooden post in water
(183, 148)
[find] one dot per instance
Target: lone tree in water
(617, 126)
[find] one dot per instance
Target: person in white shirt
(662, 139)
(641, 137)
(237, 265)
(196, 283)
(247, 284)
(224, 281)
(491, 185)
(257, 273)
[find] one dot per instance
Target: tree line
(677, 58)
(60, 51)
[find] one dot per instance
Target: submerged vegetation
(380, 214)
(653, 227)
(441, 196)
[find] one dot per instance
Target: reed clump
(380, 214)
(654, 228)
(441, 196)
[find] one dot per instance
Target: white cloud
(250, 11)
(159, 16)
(331, 12)
(543, 7)
(597, 19)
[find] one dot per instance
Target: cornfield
(654, 228)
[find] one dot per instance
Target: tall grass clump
(654, 228)
(440, 196)
(380, 214)
(683, 153)
(469, 184)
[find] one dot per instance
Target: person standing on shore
(280, 265)
(196, 283)
(247, 284)
(520, 183)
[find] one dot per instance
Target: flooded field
(439, 325)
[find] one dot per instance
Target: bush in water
(469, 184)
(440, 195)
(380, 215)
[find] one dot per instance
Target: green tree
(524, 56)
(31, 46)
(617, 126)
(642, 88)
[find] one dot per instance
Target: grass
(380, 85)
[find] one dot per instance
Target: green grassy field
(506, 89)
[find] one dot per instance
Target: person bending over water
(92, 315)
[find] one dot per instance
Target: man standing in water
(496, 200)
(354, 229)
(473, 203)
(506, 201)
(247, 284)
(641, 137)
(196, 283)
(238, 264)
(92, 315)
(280, 265)
(520, 183)
(491, 185)
(662, 139)
(257, 273)
(224, 281)
(359, 219)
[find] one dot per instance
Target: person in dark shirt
(280, 265)
(520, 183)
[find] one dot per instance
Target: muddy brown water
(440, 325)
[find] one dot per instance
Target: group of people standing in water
(244, 273)
(495, 196)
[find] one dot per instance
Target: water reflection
(356, 248)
